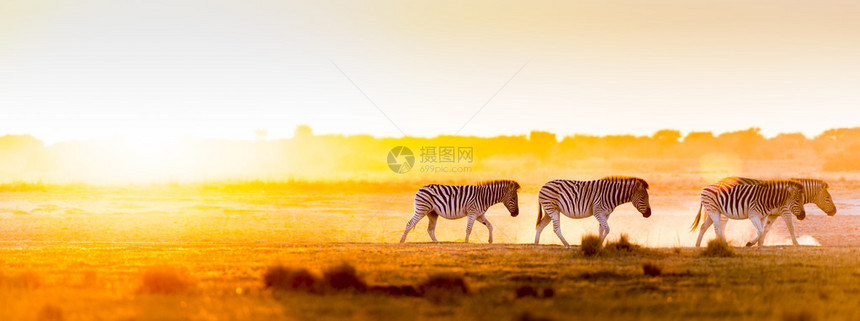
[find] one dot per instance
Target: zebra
(471, 201)
(814, 191)
(748, 201)
(581, 199)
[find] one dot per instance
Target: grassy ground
(95, 281)
(91, 254)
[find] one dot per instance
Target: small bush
(548, 293)
(527, 316)
(394, 290)
(718, 248)
(526, 291)
(677, 250)
(443, 287)
(28, 279)
(165, 280)
(651, 269)
(452, 283)
(591, 245)
(282, 278)
(344, 278)
(798, 316)
(623, 244)
(50, 313)
(600, 275)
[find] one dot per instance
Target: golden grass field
(83, 254)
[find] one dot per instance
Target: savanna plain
(240, 250)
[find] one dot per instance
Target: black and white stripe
(748, 201)
(471, 201)
(814, 192)
(581, 199)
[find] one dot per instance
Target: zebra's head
(795, 201)
(639, 197)
(512, 202)
(815, 191)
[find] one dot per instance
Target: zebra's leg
(756, 221)
(705, 225)
(431, 226)
(411, 224)
(604, 225)
(483, 220)
(469, 223)
(556, 225)
(714, 215)
(545, 220)
(768, 222)
(790, 226)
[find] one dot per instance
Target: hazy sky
(163, 69)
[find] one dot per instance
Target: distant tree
(667, 135)
(260, 134)
(789, 145)
(844, 160)
(666, 142)
(696, 144)
(542, 143)
(746, 143)
(303, 132)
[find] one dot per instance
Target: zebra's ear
(644, 183)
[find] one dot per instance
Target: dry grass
(165, 280)
(281, 278)
(50, 313)
(718, 248)
(462, 281)
(225, 242)
(343, 277)
(27, 279)
(651, 269)
(591, 245)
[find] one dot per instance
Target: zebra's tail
(695, 225)
(540, 214)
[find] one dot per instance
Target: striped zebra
(581, 199)
(748, 201)
(814, 192)
(471, 201)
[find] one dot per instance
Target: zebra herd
(738, 198)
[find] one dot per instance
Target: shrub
(443, 287)
(718, 248)
(526, 290)
(165, 280)
(28, 279)
(548, 292)
(591, 245)
(394, 290)
(651, 269)
(343, 277)
(527, 316)
(50, 313)
(623, 244)
(798, 316)
(282, 278)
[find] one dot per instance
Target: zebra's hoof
(749, 244)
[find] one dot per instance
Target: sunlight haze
(221, 69)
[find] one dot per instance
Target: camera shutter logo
(401, 159)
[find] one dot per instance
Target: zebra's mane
(782, 182)
(626, 178)
(822, 182)
(500, 182)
